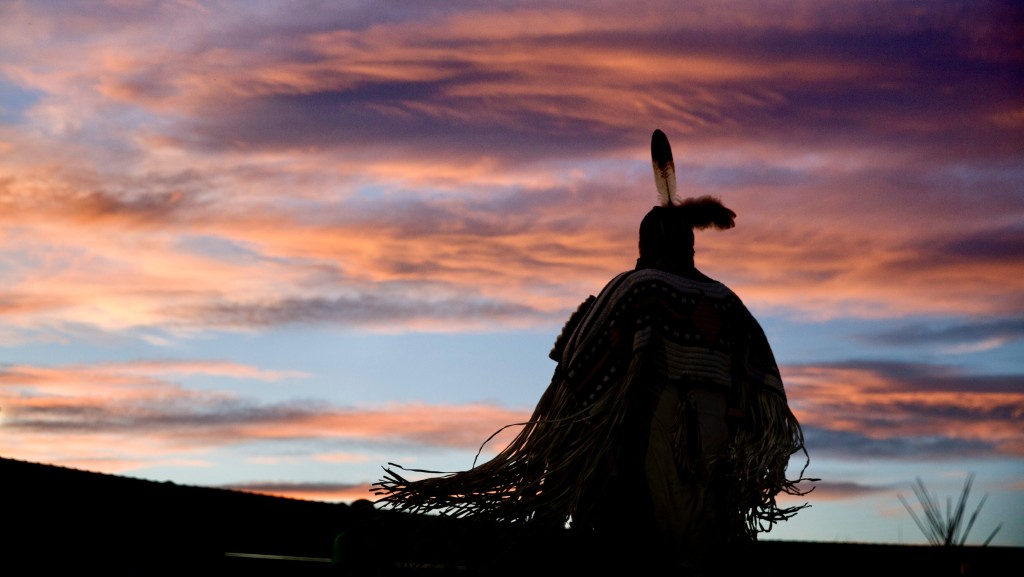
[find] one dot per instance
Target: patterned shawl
(645, 325)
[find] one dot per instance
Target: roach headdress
(666, 232)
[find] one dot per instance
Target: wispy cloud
(132, 413)
(893, 409)
(455, 151)
(855, 409)
(826, 490)
(330, 492)
(982, 334)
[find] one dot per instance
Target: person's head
(666, 232)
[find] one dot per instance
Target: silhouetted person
(665, 433)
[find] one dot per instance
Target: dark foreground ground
(59, 521)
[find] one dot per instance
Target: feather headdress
(701, 212)
(664, 169)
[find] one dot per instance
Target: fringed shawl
(644, 325)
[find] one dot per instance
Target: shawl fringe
(536, 478)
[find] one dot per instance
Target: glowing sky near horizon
(276, 245)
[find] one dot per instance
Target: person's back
(684, 349)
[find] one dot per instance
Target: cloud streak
(130, 412)
(888, 410)
(981, 334)
(893, 409)
(330, 492)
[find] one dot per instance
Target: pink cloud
(129, 413)
(889, 402)
(117, 264)
(539, 213)
(309, 491)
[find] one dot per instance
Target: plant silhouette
(948, 531)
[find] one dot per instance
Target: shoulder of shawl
(670, 281)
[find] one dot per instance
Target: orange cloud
(331, 493)
(883, 402)
(125, 415)
(262, 154)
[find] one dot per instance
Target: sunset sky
(275, 245)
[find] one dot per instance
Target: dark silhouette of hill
(59, 520)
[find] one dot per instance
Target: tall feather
(707, 211)
(664, 169)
